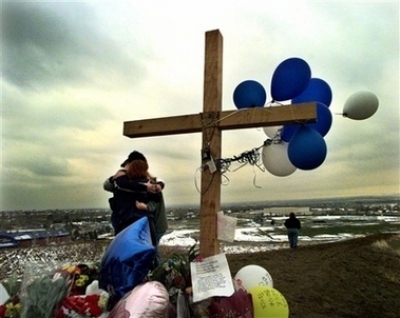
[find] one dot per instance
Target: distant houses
(28, 238)
(179, 215)
(286, 210)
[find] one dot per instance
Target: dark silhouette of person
(293, 225)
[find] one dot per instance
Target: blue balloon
(322, 125)
(248, 94)
(127, 260)
(317, 91)
(290, 79)
(307, 149)
(288, 131)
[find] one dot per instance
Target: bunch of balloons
(267, 300)
(299, 145)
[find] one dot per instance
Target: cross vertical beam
(210, 202)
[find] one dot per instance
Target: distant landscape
(353, 201)
(328, 220)
(94, 223)
(359, 204)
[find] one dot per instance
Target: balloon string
(200, 169)
(234, 113)
(231, 114)
(195, 180)
(226, 182)
(255, 179)
(252, 157)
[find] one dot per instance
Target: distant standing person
(293, 226)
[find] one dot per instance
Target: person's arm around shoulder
(141, 206)
(108, 184)
(122, 181)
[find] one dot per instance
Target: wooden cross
(211, 122)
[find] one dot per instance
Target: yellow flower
(103, 301)
(12, 310)
(82, 280)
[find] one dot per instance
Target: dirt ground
(357, 278)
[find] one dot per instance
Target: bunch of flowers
(71, 291)
(239, 305)
(174, 274)
(83, 306)
(79, 303)
(57, 292)
(11, 309)
(42, 296)
(84, 275)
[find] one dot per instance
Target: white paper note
(226, 227)
(211, 277)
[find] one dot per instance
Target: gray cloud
(48, 44)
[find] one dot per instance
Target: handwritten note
(211, 277)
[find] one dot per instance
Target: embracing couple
(137, 194)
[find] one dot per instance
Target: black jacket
(292, 223)
(126, 193)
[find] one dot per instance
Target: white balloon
(252, 276)
(360, 105)
(276, 160)
(272, 131)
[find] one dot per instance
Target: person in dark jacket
(293, 225)
(151, 185)
(131, 204)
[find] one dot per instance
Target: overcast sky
(73, 72)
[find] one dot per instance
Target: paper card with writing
(211, 277)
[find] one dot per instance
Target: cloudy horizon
(74, 72)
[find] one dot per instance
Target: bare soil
(348, 279)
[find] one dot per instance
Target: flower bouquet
(57, 291)
(11, 309)
(44, 286)
(174, 274)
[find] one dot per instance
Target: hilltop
(347, 279)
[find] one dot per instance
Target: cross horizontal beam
(249, 117)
